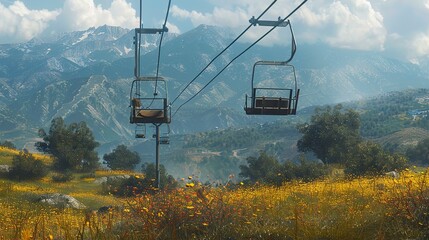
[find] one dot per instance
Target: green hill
(403, 139)
(396, 120)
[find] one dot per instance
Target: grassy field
(337, 208)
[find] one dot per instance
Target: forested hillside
(393, 112)
(397, 121)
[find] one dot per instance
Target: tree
(73, 146)
(420, 153)
(25, 167)
(261, 169)
(331, 135)
(8, 144)
(136, 185)
(266, 169)
(122, 159)
(369, 158)
(166, 180)
(307, 170)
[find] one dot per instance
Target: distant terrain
(396, 120)
(86, 76)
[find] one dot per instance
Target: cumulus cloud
(83, 14)
(18, 23)
(173, 28)
(407, 23)
(347, 23)
(395, 26)
(421, 44)
(232, 14)
(219, 17)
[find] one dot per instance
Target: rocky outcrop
(61, 201)
(102, 180)
(4, 168)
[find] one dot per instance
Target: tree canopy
(121, 158)
(331, 134)
(260, 169)
(7, 144)
(268, 170)
(369, 158)
(73, 146)
(25, 166)
(420, 153)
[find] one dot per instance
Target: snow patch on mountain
(83, 37)
(127, 50)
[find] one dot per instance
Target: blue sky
(398, 27)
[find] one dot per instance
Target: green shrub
(370, 159)
(63, 177)
(135, 185)
(264, 169)
(26, 167)
(419, 153)
(308, 171)
(88, 175)
(267, 169)
(121, 158)
(7, 144)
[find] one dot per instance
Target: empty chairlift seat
(149, 109)
(274, 100)
(261, 105)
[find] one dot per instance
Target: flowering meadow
(364, 208)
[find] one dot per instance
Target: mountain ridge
(54, 79)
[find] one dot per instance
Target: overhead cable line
(227, 47)
(239, 55)
(164, 27)
(138, 52)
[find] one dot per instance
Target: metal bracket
(151, 30)
(278, 23)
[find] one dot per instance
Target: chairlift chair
(149, 109)
(140, 131)
(270, 100)
(166, 138)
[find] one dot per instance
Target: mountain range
(87, 75)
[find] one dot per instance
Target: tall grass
(364, 208)
(335, 208)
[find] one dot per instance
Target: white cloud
(83, 14)
(421, 44)
(407, 23)
(396, 26)
(347, 23)
(173, 28)
(219, 16)
(18, 23)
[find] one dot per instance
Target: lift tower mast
(146, 109)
